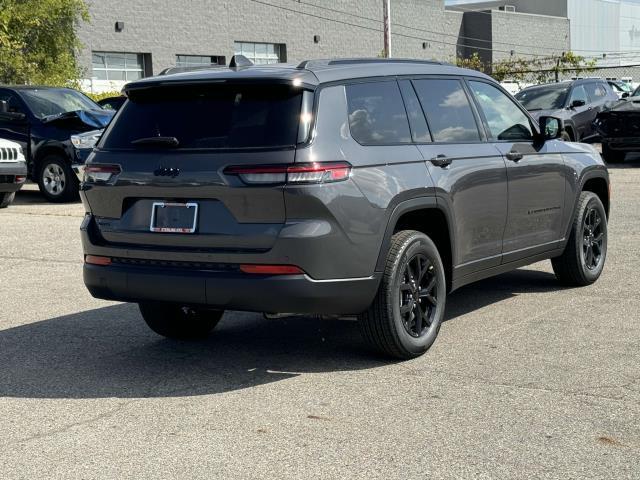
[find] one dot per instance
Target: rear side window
(376, 113)
(209, 117)
(448, 111)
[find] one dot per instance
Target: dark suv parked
(342, 187)
(42, 120)
(576, 102)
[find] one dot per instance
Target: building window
(261, 53)
(117, 66)
(194, 60)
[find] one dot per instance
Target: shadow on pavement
(30, 195)
(109, 352)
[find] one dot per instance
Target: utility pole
(386, 12)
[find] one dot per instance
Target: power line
(342, 12)
(380, 31)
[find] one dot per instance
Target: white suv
(13, 171)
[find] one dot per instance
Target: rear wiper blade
(166, 141)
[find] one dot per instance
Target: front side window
(13, 102)
(117, 66)
(261, 53)
(208, 117)
(505, 120)
(448, 111)
(376, 113)
(595, 91)
(578, 93)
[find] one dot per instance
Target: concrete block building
(129, 39)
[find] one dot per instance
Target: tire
(178, 321)
(6, 199)
(612, 156)
(390, 324)
(583, 259)
(56, 180)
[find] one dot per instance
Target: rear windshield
(208, 117)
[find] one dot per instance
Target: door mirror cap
(551, 127)
(578, 103)
(625, 95)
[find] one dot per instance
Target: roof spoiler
(240, 61)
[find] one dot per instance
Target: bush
(99, 96)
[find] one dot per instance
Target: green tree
(474, 62)
(38, 41)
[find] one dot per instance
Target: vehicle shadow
(631, 161)
(109, 352)
(30, 195)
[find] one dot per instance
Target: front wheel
(6, 199)
(404, 319)
(56, 180)
(179, 321)
(583, 259)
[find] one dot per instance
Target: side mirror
(578, 103)
(4, 106)
(551, 127)
(625, 94)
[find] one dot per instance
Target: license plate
(172, 217)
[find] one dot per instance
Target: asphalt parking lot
(526, 380)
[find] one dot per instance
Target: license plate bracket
(174, 217)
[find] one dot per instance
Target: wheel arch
(46, 150)
(600, 186)
(426, 215)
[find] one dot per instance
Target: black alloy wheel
(418, 295)
(593, 239)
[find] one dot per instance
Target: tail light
(326, 172)
(20, 178)
(271, 269)
(100, 173)
(97, 260)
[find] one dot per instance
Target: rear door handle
(441, 161)
(514, 156)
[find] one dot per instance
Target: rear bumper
(8, 170)
(231, 290)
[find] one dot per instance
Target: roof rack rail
(358, 61)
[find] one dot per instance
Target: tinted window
(596, 91)
(419, 129)
(579, 93)
(448, 111)
(376, 113)
(549, 97)
(14, 105)
(506, 121)
(210, 116)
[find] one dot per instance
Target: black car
(112, 103)
(618, 129)
(576, 102)
(42, 120)
(362, 187)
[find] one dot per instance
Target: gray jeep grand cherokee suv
(342, 187)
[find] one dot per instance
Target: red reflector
(113, 169)
(271, 269)
(96, 260)
(20, 178)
